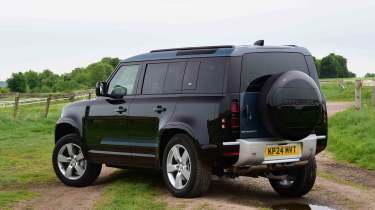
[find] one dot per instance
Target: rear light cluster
(230, 124)
(235, 114)
(233, 150)
(233, 121)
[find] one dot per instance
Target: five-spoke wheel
(70, 164)
(185, 174)
(71, 161)
(178, 166)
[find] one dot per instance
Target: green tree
(318, 64)
(48, 80)
(333, 66)
(32, 79)
(98, 72)
(328, 67)
(370, 75)
(17, 82)
(111, 61)
(77, 79)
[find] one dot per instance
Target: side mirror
(119, 92)
(101, 89)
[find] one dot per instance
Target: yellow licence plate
(282, 150)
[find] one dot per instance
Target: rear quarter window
(258, 65)
(205, 75)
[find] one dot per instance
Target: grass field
(134, 189)
(25, 151)
(352, 136)
(333, 92)
(26, 146)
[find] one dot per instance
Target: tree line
(330, 66)
(333, 66)
(47, 81)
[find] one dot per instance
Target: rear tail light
(232, 150)
(235, 106)
(235, 114)
(230, 123)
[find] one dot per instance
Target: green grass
(25, 151)
(26, 146)
(333, 92)
(133, 189)
(352, 136)
(8, 198)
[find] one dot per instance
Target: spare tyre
(290, 105)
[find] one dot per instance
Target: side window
(154, 78)
(312, 69)
(125, 77)
(211, 75)
(191, 75)
(173, 80)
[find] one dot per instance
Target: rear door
(151, 109)
(256, 68)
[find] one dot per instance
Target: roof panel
(220, 52)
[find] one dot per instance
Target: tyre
(185, 175)
(304, 179)
(70, 165)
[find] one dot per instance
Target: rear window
(256, 66)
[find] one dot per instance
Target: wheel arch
(64, 128)
(167, 133)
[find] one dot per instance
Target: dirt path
(59, 196)
(339, 186)
(334, 107)
(345, 187)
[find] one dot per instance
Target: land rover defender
(195, 112)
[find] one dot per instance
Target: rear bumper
(251, 151)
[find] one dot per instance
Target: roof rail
(194, 48)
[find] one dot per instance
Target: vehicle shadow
(130, 175)
(243, 191)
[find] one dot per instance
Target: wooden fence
(358, 92)
(16, 100)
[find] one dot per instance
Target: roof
(212, 51)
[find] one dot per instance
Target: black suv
(195, 112)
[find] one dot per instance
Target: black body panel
(194, 95)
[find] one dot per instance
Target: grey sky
(61, 35)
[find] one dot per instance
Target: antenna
(259, 43)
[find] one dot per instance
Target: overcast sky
(62, 35)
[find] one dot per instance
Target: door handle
(120, 110)
(248, 113)
(159, 109)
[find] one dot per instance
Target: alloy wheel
(178, 166)
(71, 161)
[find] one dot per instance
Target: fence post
(342, 84)
(48, 101)
(16, 102)
(71, 98)
(89, 95)
(358, 86)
